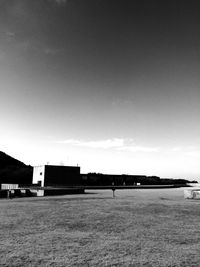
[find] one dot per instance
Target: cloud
(10, 34)
(193, 154)
(119, 144)
(176, 149)
(104, 144)
(188, 151)
(136, 148)
(61, 1)
(191, 151)
(51, 51)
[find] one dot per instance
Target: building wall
(9, 186)
(62, 175)
(38, 175)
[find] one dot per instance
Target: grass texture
(154, 227)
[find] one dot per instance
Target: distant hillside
(14, 171)
(109, 179)
(6, 160)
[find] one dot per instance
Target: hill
(14, 171)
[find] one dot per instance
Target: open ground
(150, 227)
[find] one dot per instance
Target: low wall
(22, 192)
(9, 186)
(55, 192)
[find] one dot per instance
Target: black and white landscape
(112, 89)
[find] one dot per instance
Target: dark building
(50, 175)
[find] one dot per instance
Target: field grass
(153, 227)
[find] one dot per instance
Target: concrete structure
(192, 193)
(50, 175)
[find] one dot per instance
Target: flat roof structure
(52, 175)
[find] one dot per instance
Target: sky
(112, 86)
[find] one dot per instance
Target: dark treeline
(16, 175)
(14, 171)
(124, 179)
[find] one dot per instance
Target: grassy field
(154, 227)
